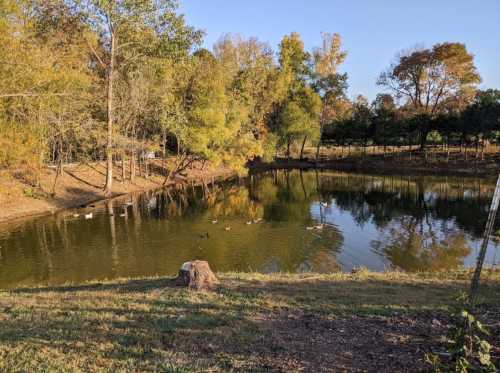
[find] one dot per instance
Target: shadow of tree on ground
(316, 325)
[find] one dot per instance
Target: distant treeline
(119, 80)
(383, 123)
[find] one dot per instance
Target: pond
(291, 221)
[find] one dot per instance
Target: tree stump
(196, 275)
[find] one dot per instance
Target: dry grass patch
(257, 322)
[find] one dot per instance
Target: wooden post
(484, 246)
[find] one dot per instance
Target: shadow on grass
(243, 325)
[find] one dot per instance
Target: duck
(76, 215)
(249, 222)
(123, 215)
(227, 228)
(215, 221)
(258, 220)
(324, 204)
(318, 227)
(309, 228)
(89, 216)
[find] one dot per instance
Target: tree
(130, 31)
(299, 119)
(297, 116)
(362, 120)
(430, 80)
(329, 84)
(43, 100)
(384, 110)
(253, 81)
(481, 118)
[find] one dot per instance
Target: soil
(82, 184)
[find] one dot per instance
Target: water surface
(277, 221)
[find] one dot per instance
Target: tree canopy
(89, 80)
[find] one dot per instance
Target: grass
(252, 322)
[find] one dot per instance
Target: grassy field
(251, 322)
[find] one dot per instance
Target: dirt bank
(389, 166)
(81, 185)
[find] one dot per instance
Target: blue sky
(373, 31)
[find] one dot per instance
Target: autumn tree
(44, 99)
(329, 84)
(429, 80)
(128, 32)
(253, 81)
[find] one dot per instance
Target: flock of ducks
(214, 221)
(90, 215)
(250, 222)
(86, 216)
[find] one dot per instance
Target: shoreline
(359, 321)
(78, 192)
(377, 166)
(81, 192)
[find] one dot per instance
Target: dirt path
(81, 185)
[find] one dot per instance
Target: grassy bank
(252, 322)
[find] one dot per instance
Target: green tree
(297, 116)
(129, 32)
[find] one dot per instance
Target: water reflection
(278, 221)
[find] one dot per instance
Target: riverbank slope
(251, 322)
(82, 184)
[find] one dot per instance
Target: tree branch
(33, 95)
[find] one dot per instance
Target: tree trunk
(59, 171)
(123, 167)
(133, 156)
(132, 166)
(423, 140)
(109, 145)
(321, 126)
(447, 149)
(288, 150)
(164, 158)
(302, 148)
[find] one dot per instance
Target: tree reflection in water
(413, 245)
(412, 223)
